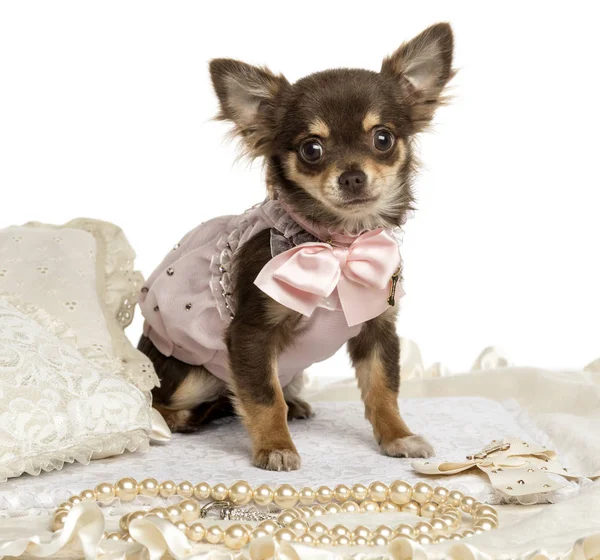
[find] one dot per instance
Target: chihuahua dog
(243, 304)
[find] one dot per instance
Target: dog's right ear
(422, 68)
(248, 96)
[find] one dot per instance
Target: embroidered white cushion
(82, 274)
(56, 405)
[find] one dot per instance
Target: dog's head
(337, 144)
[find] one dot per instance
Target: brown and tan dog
(338, 145)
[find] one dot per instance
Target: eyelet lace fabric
(58, 404)
(82, 273)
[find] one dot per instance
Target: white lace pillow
(82, 274)
(56, 405)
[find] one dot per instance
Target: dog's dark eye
(383, 140)
(311, 151)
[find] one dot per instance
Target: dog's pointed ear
(422, 68)
(248, 97)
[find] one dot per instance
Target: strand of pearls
(443, 510)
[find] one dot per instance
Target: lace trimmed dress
(187, 302)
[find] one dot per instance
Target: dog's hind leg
(188, 396)
(298, 408)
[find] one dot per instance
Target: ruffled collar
(296, 229)
(321, 232)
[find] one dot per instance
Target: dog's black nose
(352, 181)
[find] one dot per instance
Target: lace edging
(100, 446)
(51, 324)
(104, 445)
(63, 332)
(278, 217)
(117, 286)
(120, 289)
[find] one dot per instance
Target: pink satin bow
(301, 277)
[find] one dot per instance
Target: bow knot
(302, 276)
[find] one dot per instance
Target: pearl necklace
(295, 521)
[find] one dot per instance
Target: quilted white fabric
(337, 446)
(56, 405)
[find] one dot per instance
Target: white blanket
(562, 404)
(337, 446)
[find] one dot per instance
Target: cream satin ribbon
(85, 525)
(159, 429)
(514, 467)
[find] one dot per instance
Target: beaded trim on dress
(220, 282)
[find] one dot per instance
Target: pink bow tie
(301, 277)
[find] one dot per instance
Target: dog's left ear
(422, 68)
(248, 97)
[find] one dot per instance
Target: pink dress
(187, 302)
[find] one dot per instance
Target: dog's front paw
(277, 459)
(409, 446)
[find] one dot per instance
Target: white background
(105, 112)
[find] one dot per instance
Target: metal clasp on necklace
(228, 511)
(222, 507)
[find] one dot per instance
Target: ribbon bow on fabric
(301, 277)
(515, 467)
